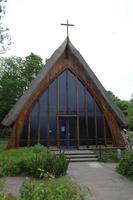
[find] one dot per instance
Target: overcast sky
(103, 34)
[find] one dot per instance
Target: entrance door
(67, 130)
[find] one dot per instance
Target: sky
(103, 33)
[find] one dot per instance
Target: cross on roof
(67, 25)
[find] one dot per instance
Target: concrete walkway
(103, 181)
(13, 185)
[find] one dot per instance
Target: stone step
(78, 155)
(74, 152)
(81, 156)
(83, 160)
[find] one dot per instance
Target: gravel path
(102, 179)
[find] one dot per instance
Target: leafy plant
(27, 161)
(7, 197)
(45, 175)
(54, 189)
(125, 166)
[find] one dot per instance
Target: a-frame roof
(21, 103)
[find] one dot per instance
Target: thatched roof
(17, 108)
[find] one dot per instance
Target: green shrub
(107, 155)
(7, 197)
(27, 161)
(125, 166)
(54, 189)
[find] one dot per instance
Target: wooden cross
(67, 25)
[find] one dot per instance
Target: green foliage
(122, 104)
(107, 155)
(54, 189)
(27, 161)
(3, 144)
(130, 114)
(7, 197)
(15, 75)
(125, 166)
(45, 175)
(2, 182)
(126, 107)
(130, 136)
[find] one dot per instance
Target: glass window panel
(72, 131)
(100, 125)
(91, 130)
(62, 92)
(53, 96)
(34, 124)
(44, 118)
(108, 134)
(100, 129)
(90, 104)
(48, 115)
(98, 111)
(62, 131)
(71, 93)
(82, 130)
(44, 101)
(52, 128)
(81, 98)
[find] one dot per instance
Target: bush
(107, 155)
(28, 161)
(125, 166)
(7, 197)
(54, 189)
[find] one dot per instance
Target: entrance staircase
(79, 155)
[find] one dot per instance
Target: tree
(16, 74)
(126, 107)
(122, 104)
(130, 114)
(5, 38)
(30, 72)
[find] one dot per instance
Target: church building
(65, 106)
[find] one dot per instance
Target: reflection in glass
(44, 118)
(71, 93)
(34, 124)
(71, 96)
(62, 92)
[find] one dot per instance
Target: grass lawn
(3, 143)
(2, 182)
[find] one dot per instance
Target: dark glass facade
(66, 114)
